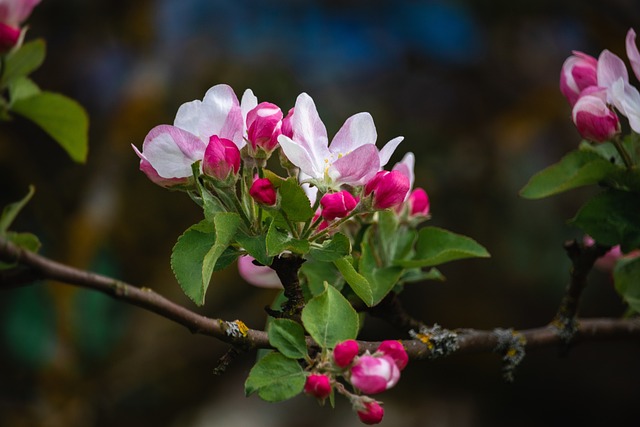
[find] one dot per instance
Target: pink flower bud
(395, 351)
(318, 385)
(419, 202)
(371, 414)
(593, 118)
(389, 189)
(9, 37)
(263, 192)
(12, 14)
(258, 275)
(337, 205)
(344, 352)
(286, 129)
(221, 158)
(374, 374)
(608, 261)
(263, 126)
(579, 72)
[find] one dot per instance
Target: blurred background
(473, 88)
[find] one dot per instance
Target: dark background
(473, 87)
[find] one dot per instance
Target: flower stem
(623, 153)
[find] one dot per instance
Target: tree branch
(237, 334)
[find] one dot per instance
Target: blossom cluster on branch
(336, 231)
(333, 228)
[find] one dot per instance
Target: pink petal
(357, 167)
(171, 151)
(356, 131)
(610, 69)
(257, 275)
(632, 52)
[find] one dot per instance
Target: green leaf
(417, 275)
(255, 246)
(62, 118)
(611, 218)
(11, 211)
(23, 61)
(576, 169)
(288, 337)
(381, 279)
(436, 246)
(225, 225)
(279, 241)
(318, 272)
(388, 233)
(329, 318)
(26, 241)
(626, 276)
(337, 247)
(294, 201)
(187, 259)
(21, 88)
(275, 378)
(358, 283)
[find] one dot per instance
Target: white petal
(300, 157)
(610, 69)
(356, 131)
(309, 131)
(406, 167)
(249, 102)
(387, 151)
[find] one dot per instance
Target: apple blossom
(371, 413)
(352, 158)
(344, 353)
(263, 192)
(337, 205)
(373, 374)
(593, 118)
(395, 350)
(221, 159)
(613, 75)
(389, 189)
(171, 150)
(318, 385)
(258, 275)
(12, 14)
(579, 72)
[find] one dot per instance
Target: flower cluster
(367, 373)
(594, 87)
(226, 143)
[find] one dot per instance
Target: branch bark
(237, 334)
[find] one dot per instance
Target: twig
(582, 259)
(237, 334)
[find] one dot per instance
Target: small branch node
(511, 345)
(440, 342)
